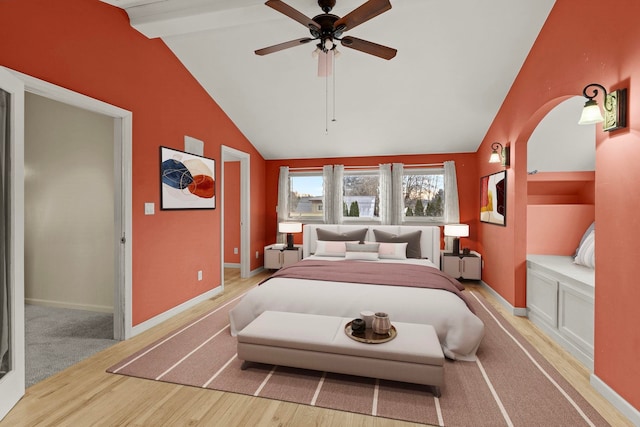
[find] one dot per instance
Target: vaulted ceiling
(455, 64)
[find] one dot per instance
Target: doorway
(68, 238)
(122, 176)
(229, 154)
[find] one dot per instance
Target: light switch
(149, 208)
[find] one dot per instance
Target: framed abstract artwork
(187, 180)
(493, 198)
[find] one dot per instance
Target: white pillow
(362, 256)
(330, 248)
(393, 250)
(587, 251)
(363, 252)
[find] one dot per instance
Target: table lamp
(456, 231)
(290, 228)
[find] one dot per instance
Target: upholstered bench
(311, 341)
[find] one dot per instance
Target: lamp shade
(456, 230)
(495, 157)
(591, 114)
(290, 227)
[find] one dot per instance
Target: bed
(360, 279)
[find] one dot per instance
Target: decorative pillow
(393, 250)
(584, 237)
(355, 235)
(587, 251)
(330, 248)
(363, 252)
(412, 239)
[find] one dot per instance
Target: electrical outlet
(235, 251)
(199, 274)
(257, 255)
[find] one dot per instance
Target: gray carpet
(57, 338)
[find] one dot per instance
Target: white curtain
(5, 212)
(451, 204)
(338, 199)
(397, 205)
(283, 200)
(328, 198)
(386, 194)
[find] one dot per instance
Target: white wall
(69, 206)
(560, 144)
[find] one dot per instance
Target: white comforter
(459, 330)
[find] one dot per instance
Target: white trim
(123, 140)
(256, 271)
(516, 311)
(232, 265)
(12, 384)
(616, 400)
(70, 305)
(156, 320)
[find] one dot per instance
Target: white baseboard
(231, 265)
(256, 271)
(616, 400)
(516, 311)
(70, 305)
(156, 320)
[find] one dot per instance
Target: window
(361, 194)
(305, 195)
(423, 194)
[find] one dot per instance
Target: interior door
(12, 381)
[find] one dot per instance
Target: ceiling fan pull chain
(326, 96)
(333, 63)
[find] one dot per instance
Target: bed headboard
(429, 240)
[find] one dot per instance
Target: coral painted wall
(572, 51)
(466, 171)
(231, 212)
(89, 47)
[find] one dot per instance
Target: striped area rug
(510, 384)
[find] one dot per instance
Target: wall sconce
(615, 108)
(456, 231)
(289, 228)
(499, 154)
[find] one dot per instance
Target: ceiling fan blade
(282, 46)
(292, 13)
(371, 48)
(365, 12)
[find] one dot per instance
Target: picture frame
(187, 181)
(493, 198)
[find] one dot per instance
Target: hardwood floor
(85, 395)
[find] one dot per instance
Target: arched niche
(561, 157)
(559, 143)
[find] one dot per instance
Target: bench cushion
(325, 334)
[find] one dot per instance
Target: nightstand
(275, 257)
(463, 266)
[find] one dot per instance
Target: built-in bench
(317, 342)
(560, 300)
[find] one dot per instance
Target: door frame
(12, 384)
(123, 137)
(229, 154)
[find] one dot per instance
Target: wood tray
(368, 336)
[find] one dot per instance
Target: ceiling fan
(328, 28)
